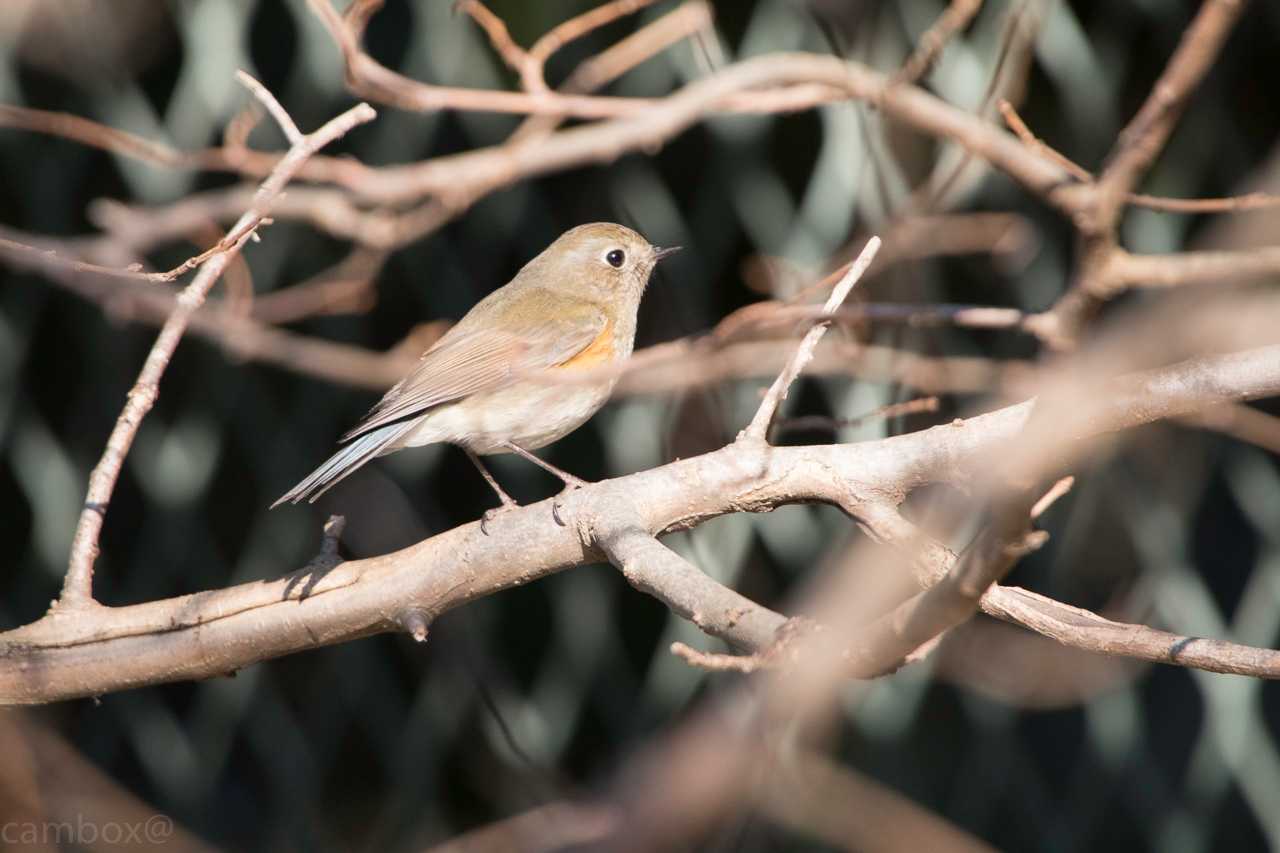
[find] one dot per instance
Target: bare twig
(917, 316)
(374, 81)
(530, 64)
(581, 25)
(27, 255)
(598, 71)
(1249, 201)
(232, 157)
(917, 406)
(1177, 269)
(1146, 134)
(713, 662)
(1049, 498)
(77, 590)
(884, 644)
(758, 429)
(1018, 126)
(1009, 75)
(1230, 204)
(496, 29)
(954, 18)
(685, 20)
(269, 101)
(1137, 147)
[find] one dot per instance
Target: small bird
(495, 382)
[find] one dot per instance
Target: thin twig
(1248, 201)
(530, 64)
(1100, 206)
(1146, 134)
(580, 25)
(49, 258)
(716, 662)
(269, 101)
(1230, 204)
(758, 429)
(232, 157)
(1019, 127)
(370, 79)
(888, 641)
(1049, 498)
(77, 589)
(954, 18)
(496, 29)
(894, 410)
(598, 71)
(612, 62)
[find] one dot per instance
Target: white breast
(530, 415)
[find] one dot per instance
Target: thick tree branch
(884, 644)
(655, 569)
(217, 632)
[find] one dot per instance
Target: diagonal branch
(655, 569)
(1248, 201)
(1083, 629)
(953, 19)
(757, 431)
(884, 644)
(77, 588)
(273, 106)
(530, 64)
(1145, 136)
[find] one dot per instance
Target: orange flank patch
(598, 352)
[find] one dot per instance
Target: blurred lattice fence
(539, 692)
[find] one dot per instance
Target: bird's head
(602, 260)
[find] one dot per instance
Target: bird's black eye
(616, 258)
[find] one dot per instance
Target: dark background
(540, 692)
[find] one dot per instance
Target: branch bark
(217, 632)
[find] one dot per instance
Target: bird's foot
(571, 484)
(491, 514)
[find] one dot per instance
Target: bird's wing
(474, 356)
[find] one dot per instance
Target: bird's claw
(491, 514)
(569, 486)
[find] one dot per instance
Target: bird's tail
(345, 461)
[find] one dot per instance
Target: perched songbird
(496, 382)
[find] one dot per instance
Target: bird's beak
(659, 253)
